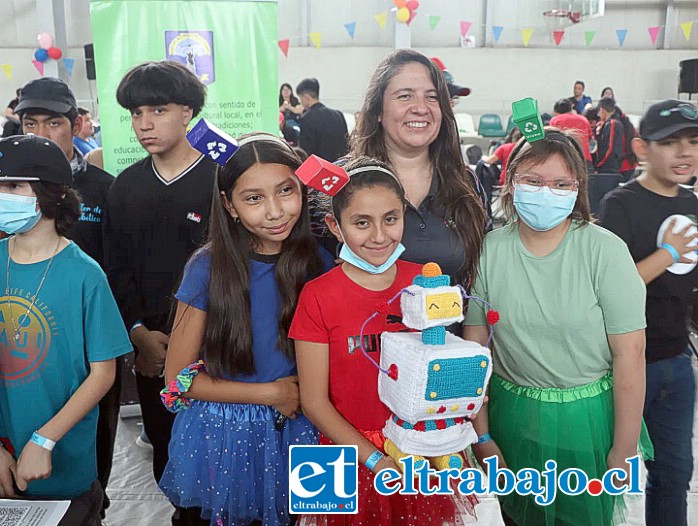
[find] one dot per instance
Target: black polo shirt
(428, 236)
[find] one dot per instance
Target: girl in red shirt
(339, 385)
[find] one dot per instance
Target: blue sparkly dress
(229, 459)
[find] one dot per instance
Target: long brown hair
(228, 337)
(457, 195)
(556, 142)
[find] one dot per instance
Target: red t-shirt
(578, 123)
(331, 309)
(503, 153)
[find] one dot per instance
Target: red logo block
(322, 175)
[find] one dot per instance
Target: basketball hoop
(559, 18)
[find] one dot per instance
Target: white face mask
(18, 213)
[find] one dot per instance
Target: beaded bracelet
(172, 395)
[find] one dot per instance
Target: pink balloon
(412, 5)
(45, 40)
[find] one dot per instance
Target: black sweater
(93, 186)
(150, 229)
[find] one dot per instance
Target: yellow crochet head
(444, 305)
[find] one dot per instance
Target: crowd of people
(246, 327)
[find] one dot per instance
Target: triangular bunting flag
(558, 34)
(687, 27)
(464, 28)
(589, 36)
(381, 18)
(7, 70)
(434, 21)
(69, 64)
(497, 32)
(39, 66)
(621, 33)
(654, 32)
(283, 46)
(351, 29)
(316, 38)
(526, 34)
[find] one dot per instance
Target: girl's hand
(7, 469)
(386, 462)
(34, 463)
(288, 399)
(488, 449)
(616, 460)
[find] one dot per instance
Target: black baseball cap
(454, 90)
(47, 93)
(33, 158)
(666, 118)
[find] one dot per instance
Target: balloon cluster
(406, 10)
(46, 49)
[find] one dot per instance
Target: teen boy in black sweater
(158, 211)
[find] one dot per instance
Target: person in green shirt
(568, 382)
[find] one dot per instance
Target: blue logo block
(323, 479)
(212, 141)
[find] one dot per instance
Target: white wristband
(42, 441)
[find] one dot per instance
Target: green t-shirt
(556, 311)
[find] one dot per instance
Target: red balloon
(412, 5)
(55, 53)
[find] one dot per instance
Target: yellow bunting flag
(381, 18)
(316, 38)
(7, 70)
(526, 34)
(687, 27)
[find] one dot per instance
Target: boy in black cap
(47, 108)
(157, 216)
(656, 218)
(60, 332)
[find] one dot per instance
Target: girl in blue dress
(230, 363)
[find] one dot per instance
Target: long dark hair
(58, 202)
(292, 98)
(457, 195)
(629, 133)
(228, 337)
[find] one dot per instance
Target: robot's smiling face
(444, 305)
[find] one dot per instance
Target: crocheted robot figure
(435, 380)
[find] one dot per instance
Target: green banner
(230, 44)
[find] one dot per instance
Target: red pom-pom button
(492, 317)
(441, 409)
(471, 407)
(392, 371)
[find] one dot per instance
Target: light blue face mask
(348, 255)
(18, 213)
(543, 210)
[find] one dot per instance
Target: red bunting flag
(283, 46)
(558, 34)
(654, 33)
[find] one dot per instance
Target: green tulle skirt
(572, 426)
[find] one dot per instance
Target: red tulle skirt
(398, 510)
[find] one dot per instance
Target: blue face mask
(348, 255)
(543, 210)
(18, 213)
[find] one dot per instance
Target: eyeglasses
(687, 111)
(533, 183)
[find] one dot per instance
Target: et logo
(323, 479)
